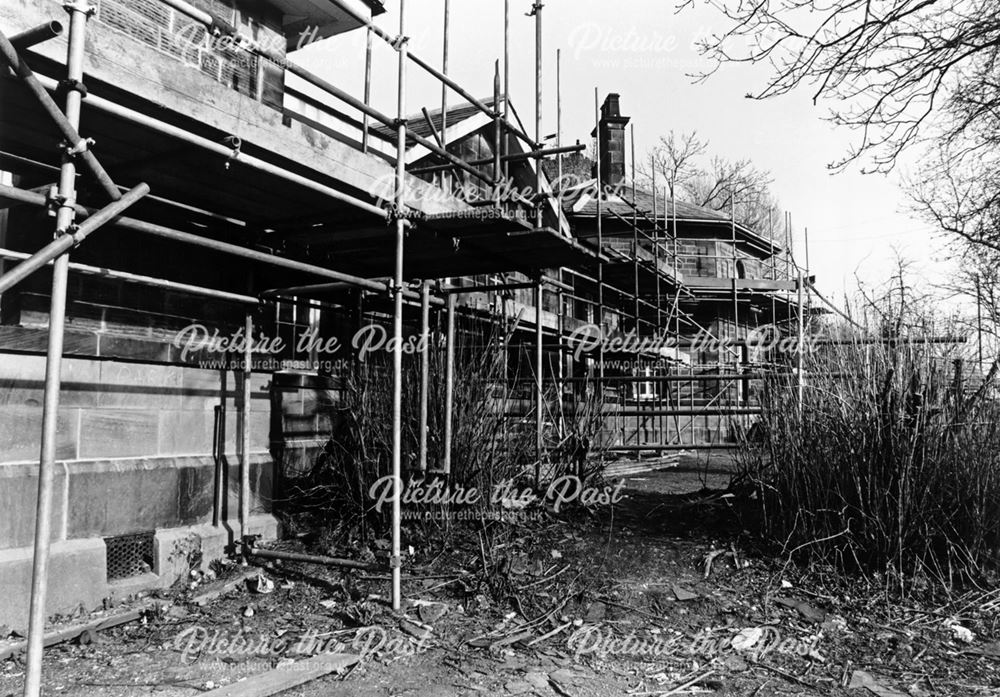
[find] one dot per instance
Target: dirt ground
(660, 594)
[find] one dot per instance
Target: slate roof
(644, 202)
(417, 124)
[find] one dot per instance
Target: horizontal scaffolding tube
(379, 116)
(504, 158)
(473, 101)
(69, 238)
(143, 280)
(31, 37)
(694, 411)
(209, 20)
(673, 446)
(455, 161)
(340, 94)
(679, 377)
(306, 291)
(35, 199)
(312, 559)
(136, 117)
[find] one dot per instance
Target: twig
(689, 683)
(784, 674)
(549, 635)
(650, 615)
(547, 578)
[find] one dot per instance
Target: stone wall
(137, 451)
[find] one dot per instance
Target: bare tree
(889, 68)
(676, 159)
(736, 188)
(682, 162)
(961, 195)
(958, 185)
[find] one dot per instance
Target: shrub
(890, 465)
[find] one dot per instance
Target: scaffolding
(650, 405)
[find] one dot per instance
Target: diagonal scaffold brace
(68, 239)
(76, 145)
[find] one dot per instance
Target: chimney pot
(610, 106)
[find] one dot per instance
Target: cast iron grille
(129, 555)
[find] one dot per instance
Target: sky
(645, 51)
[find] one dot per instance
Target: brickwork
(225, 59)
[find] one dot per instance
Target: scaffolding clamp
(80, 6)
(81, 146)
(243, 547)
(72, 85)
(395, 562)
(54, 200)
(71, 232)
(399, 42)
(236, 143)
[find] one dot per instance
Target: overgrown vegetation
(488, 448)
(891, 465)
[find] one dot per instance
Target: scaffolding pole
(243, 427)
(126, 223)
(140, 119)
(139, 279)
(559, 159)
(68, 126)
(449, 385)
(65, 217)
(444, 70)
(505, 159)
(397, 316)
(365, 126)
(536, 9)
(425, 371)
(31, 37)
(499, 183)
(539, 395)
(800, 347)
(600, 247)
(69, 236)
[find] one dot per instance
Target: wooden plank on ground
(71, 632)
(286, 677)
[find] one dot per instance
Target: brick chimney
(612, 129)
